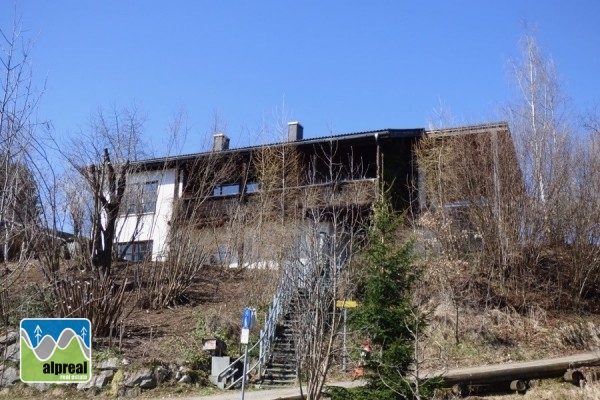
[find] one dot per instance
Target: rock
(185, 379)
(161, 373)
(58, 393)
(148, 383)
(132, 392)
(86, 385)
(9, 338)
(104, 378)
(9, 376)
(98, 380)
(40, 387)
(110, 364)
(12, 353)
(143, 378)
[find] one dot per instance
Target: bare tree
(196, 216)
(18, 103)
(539, 125)
(474, 191)
(329, 233)
(515, 214)
(102, 154)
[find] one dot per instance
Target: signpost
(344, 305)
(248, 322)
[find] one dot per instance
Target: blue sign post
(248, 320)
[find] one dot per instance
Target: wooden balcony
(218, 209)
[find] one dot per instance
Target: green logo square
(56, 350)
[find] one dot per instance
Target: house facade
(244, 196)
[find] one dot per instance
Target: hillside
(481, 334)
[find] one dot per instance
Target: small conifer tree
(386, 317)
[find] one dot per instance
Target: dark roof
(382, 133)
(470, 129)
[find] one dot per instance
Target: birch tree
(539, 125)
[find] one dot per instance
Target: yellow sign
(346, 304)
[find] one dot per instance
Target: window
(224, 255)
(140, 198)
(135, 251)
(252, 187)
(227, 190)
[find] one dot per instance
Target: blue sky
(335, 66)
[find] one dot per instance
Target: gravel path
(288, 393)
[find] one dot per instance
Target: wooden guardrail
(516, 376)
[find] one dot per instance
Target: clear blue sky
(339, 66)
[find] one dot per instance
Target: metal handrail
(229, 371)
(275, 313)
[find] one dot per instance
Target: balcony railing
(346, 193)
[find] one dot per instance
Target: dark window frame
(135, 251)
(140, 198)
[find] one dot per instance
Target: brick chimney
(221, 142)
(295, 131)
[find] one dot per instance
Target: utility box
(218, 365)
(214, 346)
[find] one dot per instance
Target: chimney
(295, 131)
(221, 142)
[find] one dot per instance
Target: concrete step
(274, 382)
(288, 364)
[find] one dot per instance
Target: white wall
(151, 226)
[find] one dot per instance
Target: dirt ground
(150, 336)
(218, 296)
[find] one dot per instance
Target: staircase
(276, 363)
(280, 369)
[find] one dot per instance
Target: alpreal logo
(56, 350)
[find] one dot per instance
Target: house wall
(151, 226)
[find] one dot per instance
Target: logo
(56, 350)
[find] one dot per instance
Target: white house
(332, 168)
(143, 225)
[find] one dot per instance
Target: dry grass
(148, 336)
(552, 390)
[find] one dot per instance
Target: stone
(104, 378)
(98, 380)
(86, 385)
(173, 368)
(132, 392)
(9, 376)
(40, 387)
(148, 383)
(143, 378)
(12, 353)
(185, 379)
(9, 338)
(110, 364)
(58, 393)
(161, 373)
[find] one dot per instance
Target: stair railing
(274, 315)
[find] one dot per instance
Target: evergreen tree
(386, 316)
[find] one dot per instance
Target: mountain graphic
(47, 345)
